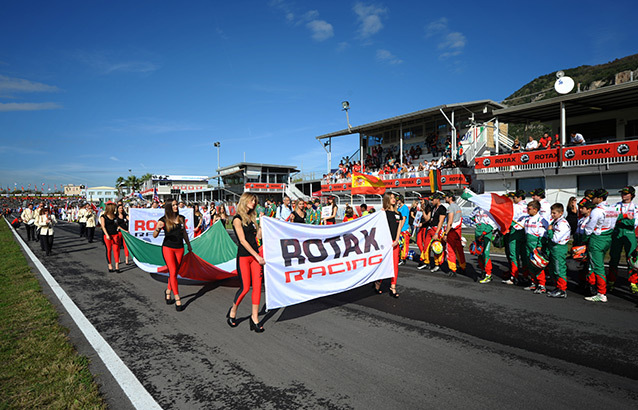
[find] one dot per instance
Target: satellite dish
(564, 85)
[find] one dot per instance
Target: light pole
(218, 145)
(346, 107)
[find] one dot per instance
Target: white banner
(143, 221)
(305, 262)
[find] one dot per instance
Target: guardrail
(620, 152)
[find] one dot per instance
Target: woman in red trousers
(174, 226)
(112, 237)
(249, 261)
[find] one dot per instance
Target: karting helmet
(437, 247)
(498, 240)
(539, 259)
(579, 253)
(633, 259)
(412, 255)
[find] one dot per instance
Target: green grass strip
(39, 368)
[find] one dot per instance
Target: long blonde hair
(247, 215)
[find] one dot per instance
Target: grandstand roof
(480, 108)
(612, 97)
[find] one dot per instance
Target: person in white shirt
(577, 139)
(535, 229)
(539, 195)
(515, 238)
(28, 218)
(532, 144)
(600, 227)
(284, 210)
(558, 234)
(45, 222)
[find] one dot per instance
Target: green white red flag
(499, 206)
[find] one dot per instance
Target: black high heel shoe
(179, 307)
(232, 321)
(376, 289)
(394, 293)
(257, 327)
(168, 299)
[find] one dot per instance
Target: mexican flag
(500, 207)
(213, 257)
(366, 184)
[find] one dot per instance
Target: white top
(562, 231)
(520, 214)
(546, 210)
(483, 217)
(533, 144)
(46, 224)
(536, 225)
(578, 139)
(283, 212)
(602, 219)
(628, 209)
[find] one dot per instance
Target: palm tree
(119, 183)
(133, 183)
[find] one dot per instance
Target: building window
(611, 182)
(530, 184)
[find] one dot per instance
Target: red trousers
(454, 250)
(113, 244)
(173, 258)
(396, 255)
(250, 273)
(122, 244)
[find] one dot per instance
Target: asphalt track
(446, 342)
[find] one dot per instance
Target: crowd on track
(536, 241)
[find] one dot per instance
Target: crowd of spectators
(386, 160)
(545, 142)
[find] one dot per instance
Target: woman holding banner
(330, 219)
(108, 222)
(175, 235)
(249, 261)
(389, 206)
(122, 224)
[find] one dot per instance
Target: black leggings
(46, 242)
(90, 233)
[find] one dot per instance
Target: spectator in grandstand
(556, 143)
(577, 139)
(516, 146)
(545, 141)
(532, 144)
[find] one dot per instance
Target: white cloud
(321, 30)
(107, 63)
(342, 46)
(26, 86)
(5, 107)
(114, 159)
(450, 43)
(436, 27)
(387, 57)
(150, 126)
(453, 44)
(369, 17)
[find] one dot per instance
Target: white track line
(139, 396)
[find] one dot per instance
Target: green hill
(589, 78)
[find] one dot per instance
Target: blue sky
(91, 89)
